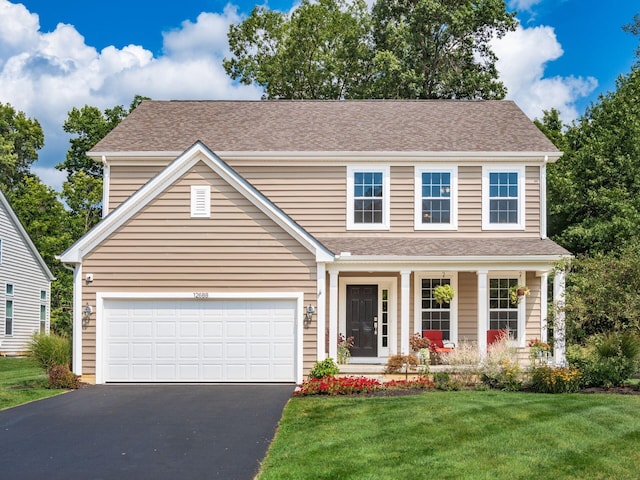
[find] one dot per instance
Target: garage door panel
(218, 341)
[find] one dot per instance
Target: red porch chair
(438, 345)
(494, 335)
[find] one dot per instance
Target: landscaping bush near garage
(53, 354)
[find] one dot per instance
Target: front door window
(362, 319)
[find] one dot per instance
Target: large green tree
(82, 191)
(594, 189)
(20, 140)
(322, 50)
(439, 48)
(334, 49)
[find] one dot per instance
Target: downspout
(76, 317)
(105, 186)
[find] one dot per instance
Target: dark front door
(362, 319)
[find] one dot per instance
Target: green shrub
(50, 350)
(61, 377)
(548, 379)
(500, 368)
(325, 368)
(607, 360)
(446, 382)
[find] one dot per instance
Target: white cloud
(523, 4)
(46, 74)
(523, 56)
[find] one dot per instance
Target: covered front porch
(382, 304)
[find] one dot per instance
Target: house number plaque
(200, 295)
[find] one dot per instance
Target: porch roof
(443, 247)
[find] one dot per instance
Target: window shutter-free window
(200, 201)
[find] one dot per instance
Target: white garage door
(199, 341)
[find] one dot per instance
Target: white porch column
(320, 310)
(405, 280)
(333, 314)
(483, 313)
(544, 311)
(559, 338)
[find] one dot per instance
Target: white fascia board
(365, 156)
(454, 264)
(166, 178)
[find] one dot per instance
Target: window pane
(43, 295)
(436, 194)
(502, 313)
(435, 316)
(43, 313)
(9, 289)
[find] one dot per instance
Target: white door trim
(197, 296)
(388, 283)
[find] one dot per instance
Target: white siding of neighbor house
(19, 267)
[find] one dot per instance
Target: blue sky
(55, 55)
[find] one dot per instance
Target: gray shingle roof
(443, 247)
(316, 126)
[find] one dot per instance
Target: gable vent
(201, 201)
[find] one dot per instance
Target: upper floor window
(368, 198)
(503, 198)
(436, 202)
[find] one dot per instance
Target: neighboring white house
(25, 285)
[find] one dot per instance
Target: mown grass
(457, 435)
(22, 381)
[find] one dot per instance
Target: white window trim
(200, 209)
(486, 224)
(417, 209)
(6, 316)
(386, 196)
(522, 306)
(453, 306)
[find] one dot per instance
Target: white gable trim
(180, 166)
(27, 240)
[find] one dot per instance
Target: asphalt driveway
(142, 432)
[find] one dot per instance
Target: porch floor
(377, 371)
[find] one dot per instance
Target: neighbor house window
(8, 310)
(435, 316)
(200, 201)
(503, 198)
(368, 198)
(436, 198)
(503, 314)
(0, 251)
(43, 311)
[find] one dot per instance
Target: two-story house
(25, 285)
(241, 238)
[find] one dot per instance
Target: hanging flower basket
(443, 293)
(517, 292)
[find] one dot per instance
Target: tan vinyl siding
(314, 196)
(239, 249)
(467, 307)
(125, 180)
(532, 199)
(470, 199)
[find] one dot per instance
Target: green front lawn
(458, 435)
(22, 381)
